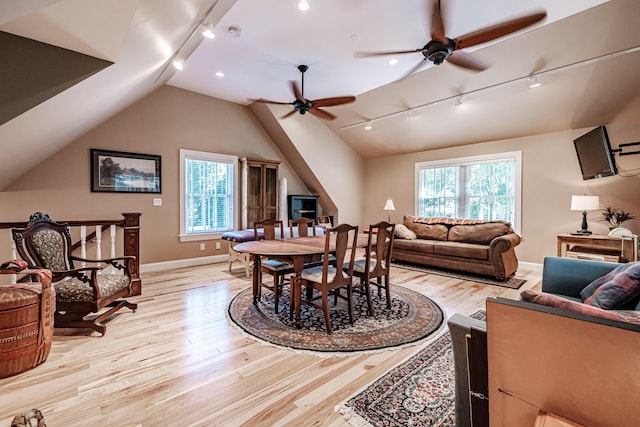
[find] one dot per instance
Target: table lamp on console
(584, 204)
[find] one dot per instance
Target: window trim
(516, 156)
(211, 157)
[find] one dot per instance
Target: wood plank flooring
(178, 362)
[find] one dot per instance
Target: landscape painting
(116, 171)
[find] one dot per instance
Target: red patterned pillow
(616, 288)
(552, 300)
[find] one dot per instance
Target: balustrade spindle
(83, 244)
(112, 232)
(98, 242)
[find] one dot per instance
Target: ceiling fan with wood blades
(303, 105)
(442, 48)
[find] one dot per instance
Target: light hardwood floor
(178, 362)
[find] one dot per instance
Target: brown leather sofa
(472, 246)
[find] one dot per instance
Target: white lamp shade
(585, 203)
(389, 205)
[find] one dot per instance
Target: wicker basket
(26, 320)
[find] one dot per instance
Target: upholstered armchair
(80, 291)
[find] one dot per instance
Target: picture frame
(122, 172)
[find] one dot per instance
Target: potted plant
(615, 217)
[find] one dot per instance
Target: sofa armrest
(568, 276)
(459, 327)
(504, 243)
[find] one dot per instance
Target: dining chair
(278, 268)
(303, 225)
(326, 278)
(374, 269)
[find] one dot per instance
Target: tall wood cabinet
(259, 190)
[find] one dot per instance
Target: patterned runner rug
(418, 392)
(412, 318)
(513, 283)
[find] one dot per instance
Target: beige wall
(550, 175)
(171, 118)
(161, 123)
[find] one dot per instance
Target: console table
(596, 242)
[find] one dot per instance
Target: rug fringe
(351, 416)
(326, 354)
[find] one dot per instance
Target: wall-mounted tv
(594, 154)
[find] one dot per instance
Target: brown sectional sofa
(472, 246)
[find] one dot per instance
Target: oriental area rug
(418, 392)
(412, 318)
(512, 283)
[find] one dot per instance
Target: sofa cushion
(424, 246)
(403, 232)
(461, 250)
(479, 233)
(552, 300)
(426, 231)
(616, 288)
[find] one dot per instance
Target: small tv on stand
(595, 155)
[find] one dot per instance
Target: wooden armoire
(259, 190)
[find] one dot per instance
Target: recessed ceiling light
(393, 61)
(220, 74)
(303, 5)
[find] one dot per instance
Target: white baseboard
(180, 263)
(533, 266)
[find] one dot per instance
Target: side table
(597, 241)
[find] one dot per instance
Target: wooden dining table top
(291, 247)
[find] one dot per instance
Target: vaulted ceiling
(585, 54)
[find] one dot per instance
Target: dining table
(296, 249)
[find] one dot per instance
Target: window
(479, 187)
(208, 194)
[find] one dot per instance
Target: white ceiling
(276, 36)
(141, 36)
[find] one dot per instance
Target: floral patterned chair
(79, 291)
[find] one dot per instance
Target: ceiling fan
(441, 47)
(303, 105)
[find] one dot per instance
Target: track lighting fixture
(208, 31)
(534, 82)
(178, 64)
(458, 102)
(369, 125)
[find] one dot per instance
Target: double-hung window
(479, 187)
(208, 194)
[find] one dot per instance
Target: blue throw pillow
(616, 288)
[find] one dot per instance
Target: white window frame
(211, 157)
(515, 156)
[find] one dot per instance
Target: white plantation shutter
(209, 195)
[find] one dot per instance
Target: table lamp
(584, 204)
(389, 207)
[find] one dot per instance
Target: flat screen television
(594, 154)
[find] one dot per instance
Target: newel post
(132, 247)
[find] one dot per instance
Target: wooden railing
(94, 240)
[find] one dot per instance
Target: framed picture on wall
(120, 172)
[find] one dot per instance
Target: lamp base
(581, 233)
